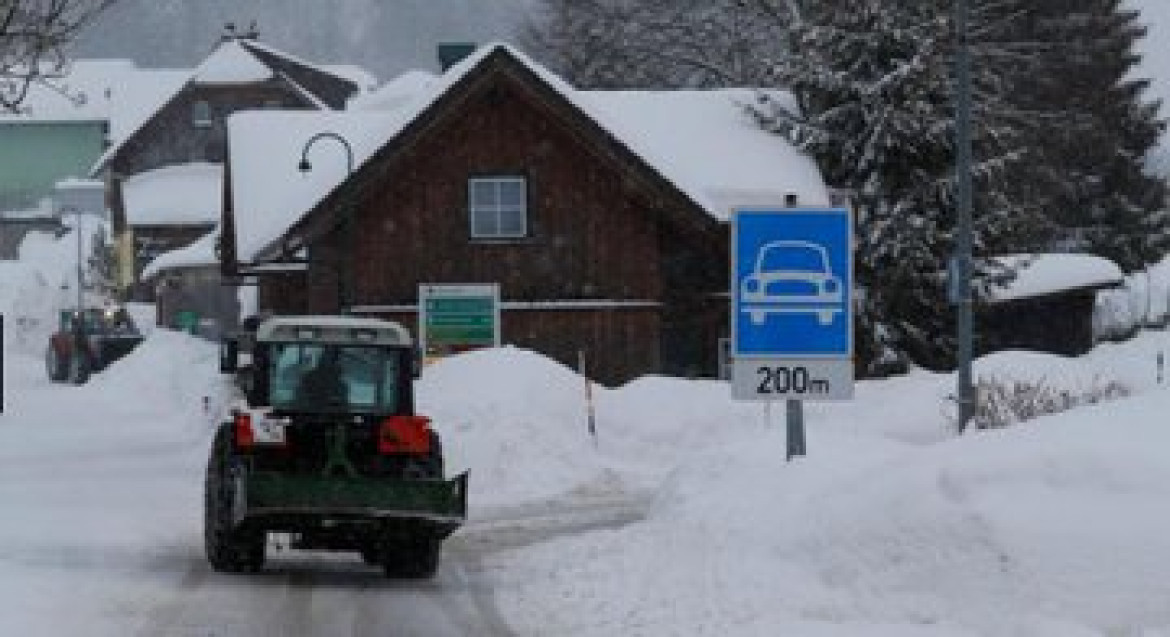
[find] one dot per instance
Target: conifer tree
(875, 85)
(1091, 130)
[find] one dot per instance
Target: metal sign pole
(795, 429)
(965, 322)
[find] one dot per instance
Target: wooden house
(1048, 306)
(164, 178)
(600, 216)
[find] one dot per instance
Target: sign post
(791, 308)
(456, 318)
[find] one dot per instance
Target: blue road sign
(792, 283)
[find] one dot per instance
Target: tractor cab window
(333, 378)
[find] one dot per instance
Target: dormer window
(201, 114)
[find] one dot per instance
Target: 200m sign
(790, 380)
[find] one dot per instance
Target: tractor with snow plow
(325, 447)
(87, 341)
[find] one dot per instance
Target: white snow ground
(681, 518)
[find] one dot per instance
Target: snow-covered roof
(184, 194)
(397, 92)
(199, 254)
(1043, 274)
(113, 90)
(280, 327)
(74, 183)
(269, 191)
(707, 147)
(231, 63)
(360, 76)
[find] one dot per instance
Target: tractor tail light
(405, 434)
(245, 437)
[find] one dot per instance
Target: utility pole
(80, 272)
(963, 245)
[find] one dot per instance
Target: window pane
(201, 114)
(320, 378)
(512, 223)
(513, 193)
(483, 193)
(483, 224)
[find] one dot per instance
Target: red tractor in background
(87, 342)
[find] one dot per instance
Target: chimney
(451, 53)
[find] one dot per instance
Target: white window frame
(495, 208)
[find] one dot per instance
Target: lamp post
(966, 397)
(76, 230)
(343, 300)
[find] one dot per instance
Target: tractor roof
(333, 329)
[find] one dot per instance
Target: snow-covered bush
(1116, 314)
(1001, 403)
(1144, 300)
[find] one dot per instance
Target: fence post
(590, 415)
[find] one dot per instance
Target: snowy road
(101, 487)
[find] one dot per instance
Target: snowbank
(680, 517)
(991, 534)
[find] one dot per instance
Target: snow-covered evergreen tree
(874, 81)
(1090, 129)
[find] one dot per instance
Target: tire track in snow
(312, 594)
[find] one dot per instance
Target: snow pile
(516, 419)
(176, 370)
(995, 533)
(1143, 300)
(40, 284)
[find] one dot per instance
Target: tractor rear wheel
(417, 558)
(54, 366)
(78, 368)
(229, 549)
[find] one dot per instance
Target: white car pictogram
(792, 277)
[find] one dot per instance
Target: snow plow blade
(438, 506)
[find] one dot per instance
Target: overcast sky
(386, 37)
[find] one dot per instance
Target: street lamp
(966, 397)
(342, 259)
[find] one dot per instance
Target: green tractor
(325, 446)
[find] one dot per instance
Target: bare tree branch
(33, 38)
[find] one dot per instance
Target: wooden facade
(177, 134)
(616, 261)
(1059, 323)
